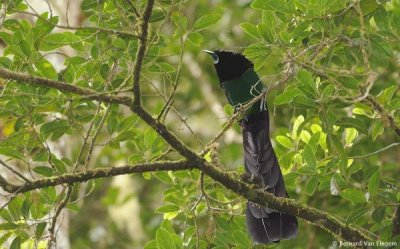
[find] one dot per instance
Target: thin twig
(165, 109)
(181, 118)
(133, 8)
(14, 171)
(53, 236)
(376, 152)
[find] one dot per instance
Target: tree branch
(87, 175)
(289, 206)
(63, 87)
(137, 67)
(8, 187)
(317, 217)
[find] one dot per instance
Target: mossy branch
(87, 175)
(230, 181)
(137, 67)
(63, 87)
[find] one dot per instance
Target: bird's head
(229, 65)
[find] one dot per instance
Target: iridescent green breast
(241, 90)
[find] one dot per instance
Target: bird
(238, 78)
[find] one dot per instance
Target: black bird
(236, 75)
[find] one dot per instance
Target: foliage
(336, 117)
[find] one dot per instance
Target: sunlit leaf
(206, 21)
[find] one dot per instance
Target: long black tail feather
(264, 224)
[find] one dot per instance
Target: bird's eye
(215, 58)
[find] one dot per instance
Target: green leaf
(5, 237)
(378, 214)
(287, 96)
(44, 171)
(152, 244)
(373, 183)
(88, 4)
(40, 229)
(196, 39)
(157, 15)
(355, 214)
(10, 152)
(395, 21)
(305, 136)
(8, 226)
(26, 205)
(381, 18)
(351, 134)
(164, 239)
(327, 92)
(207, 156)
(311, 185)
(286, 160)
(6, 38)
(309, 157)
(266, 32)
(56, 127)
(303, 102)
(167, 209)
(314, 141)
(119, 43)
(336, 145)
(16, 244)
(368, 6)
(256, 50)
(25, 47)
(348, 122)
(306, 170)
(56, 40)
(206, 21)
(307, 84)
(46, 69)
(250, 29)
(45, 25)
(285, 141)
(279, 6)
(228, 109)
(386, 95)
(353, 195)
(377, 129)
(241, 239)
(125, 135)
(128, 123)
